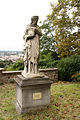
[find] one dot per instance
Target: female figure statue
(31, 47)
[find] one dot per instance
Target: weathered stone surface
(1, 80)
(52, 73)
(31, 47)
(26, 88)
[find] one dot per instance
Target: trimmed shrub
(68, 66)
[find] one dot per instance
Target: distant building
(11, 55)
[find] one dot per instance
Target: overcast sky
(14, 16)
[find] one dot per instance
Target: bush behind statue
(18, 65)
(68, 66)
(48, 59)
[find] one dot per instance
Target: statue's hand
(38, 31)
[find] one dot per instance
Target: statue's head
(34, 20)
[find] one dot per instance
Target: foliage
(47, 39)
(68, 66)
(5, 63)
(65, 103)
(18, 65)
(76, 76)
(65, 20)
(47, 59)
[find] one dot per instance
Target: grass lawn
(65, 103)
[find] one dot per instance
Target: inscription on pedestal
(37, 96)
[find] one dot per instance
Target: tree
(48, 59)
(65, 20)
(47, 39)
(47, 46)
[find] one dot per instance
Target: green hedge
(68, 66)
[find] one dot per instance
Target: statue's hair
(34, 17)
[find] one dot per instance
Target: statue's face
(34, 22)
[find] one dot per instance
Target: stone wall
(1, 75)
(52, 73)
(8, 76)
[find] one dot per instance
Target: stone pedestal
(32, 93)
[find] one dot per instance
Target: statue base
(32, 93)
(31, 75)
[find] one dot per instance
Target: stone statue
(31, 47)
(32, 88)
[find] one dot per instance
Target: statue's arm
(38, 31)
(25, 33)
